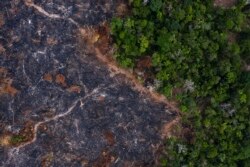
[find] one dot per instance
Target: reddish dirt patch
(225, 3)
(5, 140)
(6, 83)
(143, 69)
(104, 160)
(104, 40)
(60, 79)
(144, 62)
(122, 8)
(28, 2)
(46, 160)
(48, 77)
(109, 136)
(74, 89)
(3, 72)
(5, 87)
(52, 41)
(101, 98)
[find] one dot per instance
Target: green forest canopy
(201, 50)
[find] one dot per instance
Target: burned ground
(59, 104)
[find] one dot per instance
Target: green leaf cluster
(16, 139)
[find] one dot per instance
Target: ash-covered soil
(59, 104)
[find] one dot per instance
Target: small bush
(16, 139)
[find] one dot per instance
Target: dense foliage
(201, 50)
